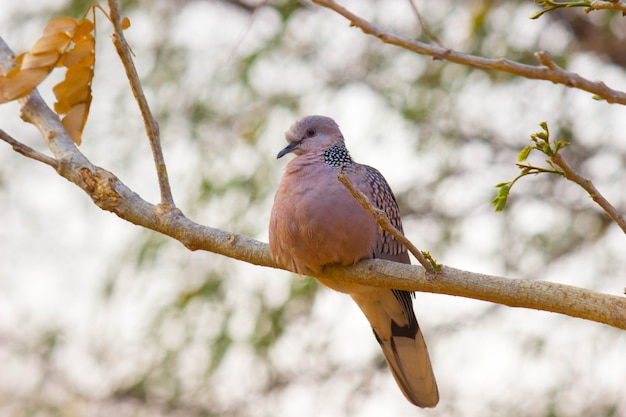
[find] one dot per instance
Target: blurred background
(99, 317)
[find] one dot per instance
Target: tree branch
(109, 193)
(383, 221)
(549, 5)
(618, 5)
(542, 142)
(571, 174)
(549, 71)
(150, 123)
(539, 295)
(27, 151)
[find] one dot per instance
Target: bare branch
(587, 185)
(27, 151)
(151, 125)
(424, 25)
(539, 295)
(384, 222)
(550, 72)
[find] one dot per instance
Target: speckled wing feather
(381, 196)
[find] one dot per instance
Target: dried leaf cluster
(69, 43)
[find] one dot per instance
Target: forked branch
(548, 71)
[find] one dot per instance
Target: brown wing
(381, 196)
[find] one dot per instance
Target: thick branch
(548, 71)
(150, 123)
(539, 295)
(109, 193)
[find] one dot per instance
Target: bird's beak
(287, 149)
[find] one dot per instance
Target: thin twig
(424, 24)
(151, 125)
(384, 221)
(587, 185)
(27, 151)
(552, 73)
(546, 60)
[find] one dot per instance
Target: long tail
(393, 321)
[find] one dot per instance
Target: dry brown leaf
(78, 53)
(33, 66)
(61, 24)
(83, 30)
(74, 92)
(41, 61)
(55, 42)
(15, 86)
(74, 121)
(65, 42)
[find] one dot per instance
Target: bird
(316, 222)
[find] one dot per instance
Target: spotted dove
(315, 222)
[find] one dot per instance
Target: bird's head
(312, 134)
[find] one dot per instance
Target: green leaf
(538, 14)
(523, 154)
(436, 266)
(560, 144)
(500, 200)
(500, 203)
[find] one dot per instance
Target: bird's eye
(310, 133)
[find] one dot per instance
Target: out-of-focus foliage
(178, 333)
